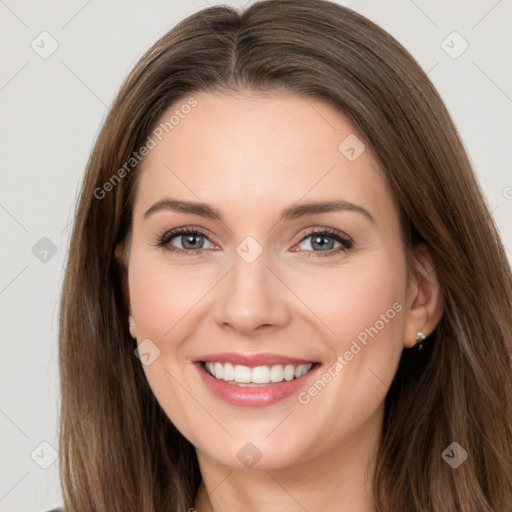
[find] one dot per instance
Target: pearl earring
(419, 339)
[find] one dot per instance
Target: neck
(339, 479)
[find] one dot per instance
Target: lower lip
(260, 396)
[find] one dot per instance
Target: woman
(284, 289)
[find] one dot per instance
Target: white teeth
(276, 373)
(257, 375)
(242, 373)
(218, 370)
(210, 368)
(289, 372)
(260, 375)
(305, 369)
(228, 372)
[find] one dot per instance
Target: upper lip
(252, 360)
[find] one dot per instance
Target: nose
(252, 300)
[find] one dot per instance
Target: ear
(120, 255)
(424, 304)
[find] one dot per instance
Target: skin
(251, 156)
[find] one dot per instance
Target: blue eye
(325, 241)
(192, 241)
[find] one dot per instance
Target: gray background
(51, 111)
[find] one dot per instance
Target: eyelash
(164, 239)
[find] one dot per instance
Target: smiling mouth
(258, 376)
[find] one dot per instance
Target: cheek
(354, 298)
(161, 294)
(361, 307)
(162, 299)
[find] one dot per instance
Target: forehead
(241, 150)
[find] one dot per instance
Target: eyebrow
(291, 213)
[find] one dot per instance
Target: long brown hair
(118, 450)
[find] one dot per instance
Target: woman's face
(292, 265)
